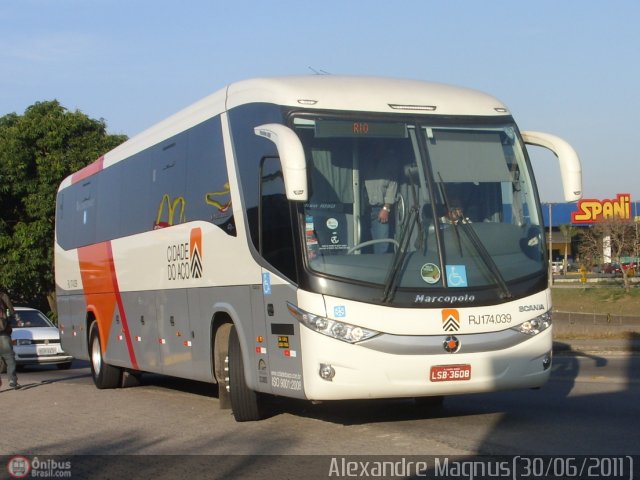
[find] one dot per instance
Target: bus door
(278, 361)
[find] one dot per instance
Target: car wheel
(64, 366)
(246, 404)
(104, 375)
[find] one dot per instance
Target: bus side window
(276, 232)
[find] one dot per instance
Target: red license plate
(450, 373)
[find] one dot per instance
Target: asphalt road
(590, 407)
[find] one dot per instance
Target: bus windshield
(419, 205)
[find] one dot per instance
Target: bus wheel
(104, 375)
(245, 403)
(220, 359)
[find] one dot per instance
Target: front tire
(246, 404)
(220, 364)
(104, 375)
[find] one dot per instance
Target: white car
(36, 340)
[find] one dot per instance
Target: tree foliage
(613, 235)
(37, 151)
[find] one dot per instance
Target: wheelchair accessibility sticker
(266, 283)
(340, 312)
(457, 275)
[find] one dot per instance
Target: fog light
(546, 361)
(327, 372)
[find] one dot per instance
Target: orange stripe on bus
(102, 293)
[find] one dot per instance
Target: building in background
(583, 214)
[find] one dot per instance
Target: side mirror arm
(292, 159)
(570, 168)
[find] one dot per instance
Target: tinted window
(65, 214)
(181, 179)
(276, 238)
(208, 196)
(108, 191)
(85, 217)
(168, 181)
(249, 150)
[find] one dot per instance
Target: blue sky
(566, 67)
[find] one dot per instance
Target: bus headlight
(331, 328)
(535, 325)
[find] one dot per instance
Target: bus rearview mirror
(570, 169)
(292, 159)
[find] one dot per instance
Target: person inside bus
(453, 212)
(381, 188)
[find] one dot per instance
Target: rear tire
(246, 404)
(104, 375)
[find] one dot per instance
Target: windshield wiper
(485, 256)
(475, 241)
(401, 254)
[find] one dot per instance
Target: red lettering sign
(361, 128)
(592, 211)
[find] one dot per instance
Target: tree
(613, 235)
(37, 151)
(568, 232)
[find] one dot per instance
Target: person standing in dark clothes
(6, 347)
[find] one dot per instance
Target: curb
(622, 345)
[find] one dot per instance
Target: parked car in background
(612, 268)
(573, 267)
(36, 340)
(556, 267)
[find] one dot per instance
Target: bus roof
(317, 92)
(365, 94)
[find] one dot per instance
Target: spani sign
(591, 211)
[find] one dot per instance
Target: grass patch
(597, 300)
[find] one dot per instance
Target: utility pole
(550, 247)
(635, 221)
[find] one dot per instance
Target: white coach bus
(241, 242)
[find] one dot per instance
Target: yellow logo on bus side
(210, 200)
(171, 211)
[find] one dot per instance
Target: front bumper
(362, 372)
